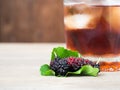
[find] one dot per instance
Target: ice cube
(81, 8)
(77, 9)
(77, 21)
(112, 16)
(82, 16)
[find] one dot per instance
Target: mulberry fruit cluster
(71, 64)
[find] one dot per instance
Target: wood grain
(31, 21)
(20, 64)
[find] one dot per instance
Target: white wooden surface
(19, 70)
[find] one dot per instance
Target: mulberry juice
(93, 30)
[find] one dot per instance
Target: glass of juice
(92, 27)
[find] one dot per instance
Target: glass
(92, 27)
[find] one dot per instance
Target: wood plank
(32, 21)
(20, 64)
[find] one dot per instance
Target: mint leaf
(46, 71)
(86, 70)
(89, 70)
(78, 72)
(61, 52)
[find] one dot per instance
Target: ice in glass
(93, 29)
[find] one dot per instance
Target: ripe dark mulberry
(60, 66)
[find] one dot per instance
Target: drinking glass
(92, 27)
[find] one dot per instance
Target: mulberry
(60, 66)
(70, 64)
(77, 63)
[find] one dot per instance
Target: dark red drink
(93, 29)
(99, 36)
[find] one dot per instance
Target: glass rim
(92, 2)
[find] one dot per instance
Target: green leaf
(46, 71)
(89, 70)
(61, 52)
(85, 70)
(78, 72)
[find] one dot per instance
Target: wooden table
(19, 70)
